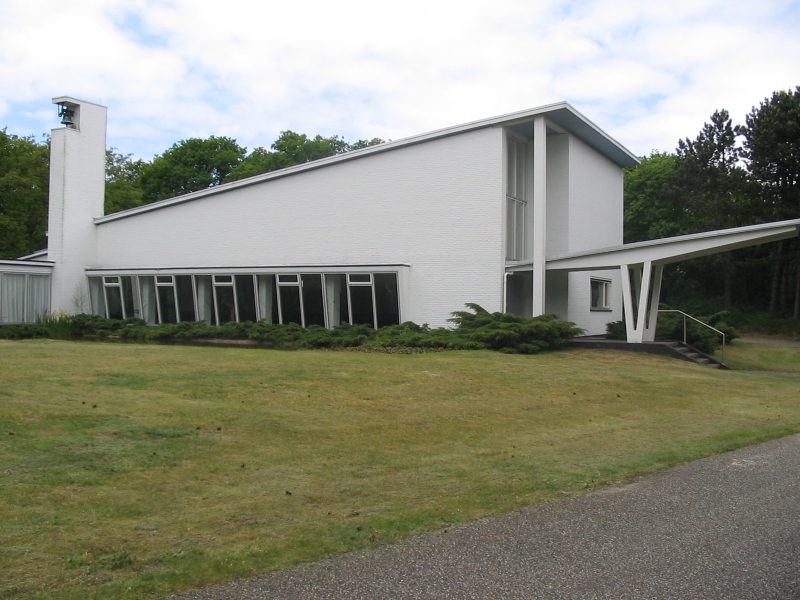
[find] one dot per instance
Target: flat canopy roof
(561, 114)
(674, 249)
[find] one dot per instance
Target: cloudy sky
(647, 72)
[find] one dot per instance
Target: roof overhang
(674, 249)
(26, 266)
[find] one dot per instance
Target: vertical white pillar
(627, 302)
(77, 189)
(655, 295)
(539, 213)
(644, 293)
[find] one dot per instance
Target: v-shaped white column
(647, 288)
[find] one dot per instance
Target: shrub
(474, 330)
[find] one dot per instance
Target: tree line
(729, 175)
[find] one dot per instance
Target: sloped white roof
(560, 113)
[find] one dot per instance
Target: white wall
(77, 184)
(596, 219)
(437, 206)
(558, 198)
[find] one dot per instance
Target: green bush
(473, 330)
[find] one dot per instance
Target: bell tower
(77, 189)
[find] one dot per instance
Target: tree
(654, 207)
(123, 188)
(294, 149)
(714, 184)
(772, 147)
(24, 187)
(190, 165)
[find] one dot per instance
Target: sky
(646, 72)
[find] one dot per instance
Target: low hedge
(475, 329)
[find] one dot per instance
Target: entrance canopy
(646, 260)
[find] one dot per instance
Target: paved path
(726, 527)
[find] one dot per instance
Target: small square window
(601, 292)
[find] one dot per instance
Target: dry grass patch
(140, 470)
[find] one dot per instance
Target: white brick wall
(437, 206)
(595, 196)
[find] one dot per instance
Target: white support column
(637, 284)
(649, 288)
(641, 320)
(539, 213)
(655, 295)
(627, 301)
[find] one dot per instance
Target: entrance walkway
(723, 527)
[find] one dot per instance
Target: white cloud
(648, 73)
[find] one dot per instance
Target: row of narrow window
(24, 297)
(303, 298)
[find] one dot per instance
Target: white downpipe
(505, 291)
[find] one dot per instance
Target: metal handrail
(701, 323)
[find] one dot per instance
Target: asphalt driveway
(726, 527)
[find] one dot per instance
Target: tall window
(119, 297)
(516, 198)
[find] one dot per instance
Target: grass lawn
(134, 471)
(749, 356)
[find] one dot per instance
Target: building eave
(668, 250)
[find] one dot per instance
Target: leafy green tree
(123, 188)
(190, 165)
(294, 149)
(654, 206)
(24, 187)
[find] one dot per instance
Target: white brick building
(409, 230)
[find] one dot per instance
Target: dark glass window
(127, 297)
(290, 303)
(166, 303)
(386, 302)
(313, 304)
(226, 308)
(114, 300)
(183, 283)
(246, 297)
(361, 304)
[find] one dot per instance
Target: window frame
(605, 294)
